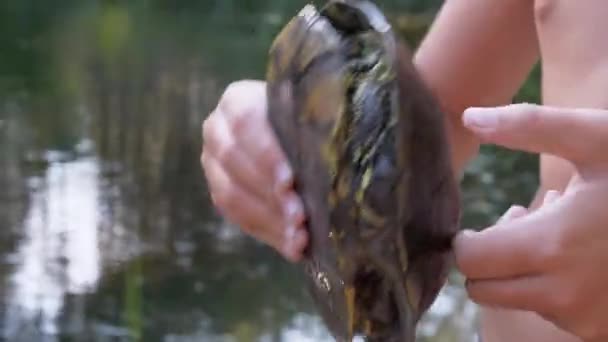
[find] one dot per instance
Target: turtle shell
(370, 154)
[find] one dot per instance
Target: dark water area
(106, 228)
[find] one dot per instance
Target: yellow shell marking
(368, 327)
(371, 217)
(365, 182)
(349, 293)
(325, 101)
(413, 293)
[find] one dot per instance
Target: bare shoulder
(549, 9)
(571, 37)
(570, 17)
(570, 23)
(574, 51)
(574, 55)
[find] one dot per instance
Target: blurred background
(106, 228)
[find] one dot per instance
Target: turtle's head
(355, 16)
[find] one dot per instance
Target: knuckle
(227, 100)
(225, 153)
(249, 229)
(211, 135)
(207, 127)
(549, 255)
(528, 107)
(531, 114)
(239, 124)
(551, 252)
(564, 301)
(267, 154)
(223, 197)
(206, 164)
(231, 91)
(225, 200)
(203, 159)
(232, 102)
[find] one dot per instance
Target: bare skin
(480, 61)
(574, 75)
(544, 259)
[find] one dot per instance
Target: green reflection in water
(133, 303)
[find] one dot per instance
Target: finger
(243, 97)
(245, 106)
(507, 249)
(572, 186)
(261, 145)
(220, 143)
(527, 293)
(574, 134)
(514, 212)
(247, 211)
(294, 243)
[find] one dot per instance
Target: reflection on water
(106, 228)
(59, 252)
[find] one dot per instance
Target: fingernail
(289, 239)
(290, 233)
(295, 241)
(476, 117)
(300, 239)
(292, 209)
(283, 176)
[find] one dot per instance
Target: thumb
(579, 135)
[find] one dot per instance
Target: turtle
(367, 141)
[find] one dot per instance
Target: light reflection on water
(60, 254)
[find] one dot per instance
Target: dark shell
(368, 146)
